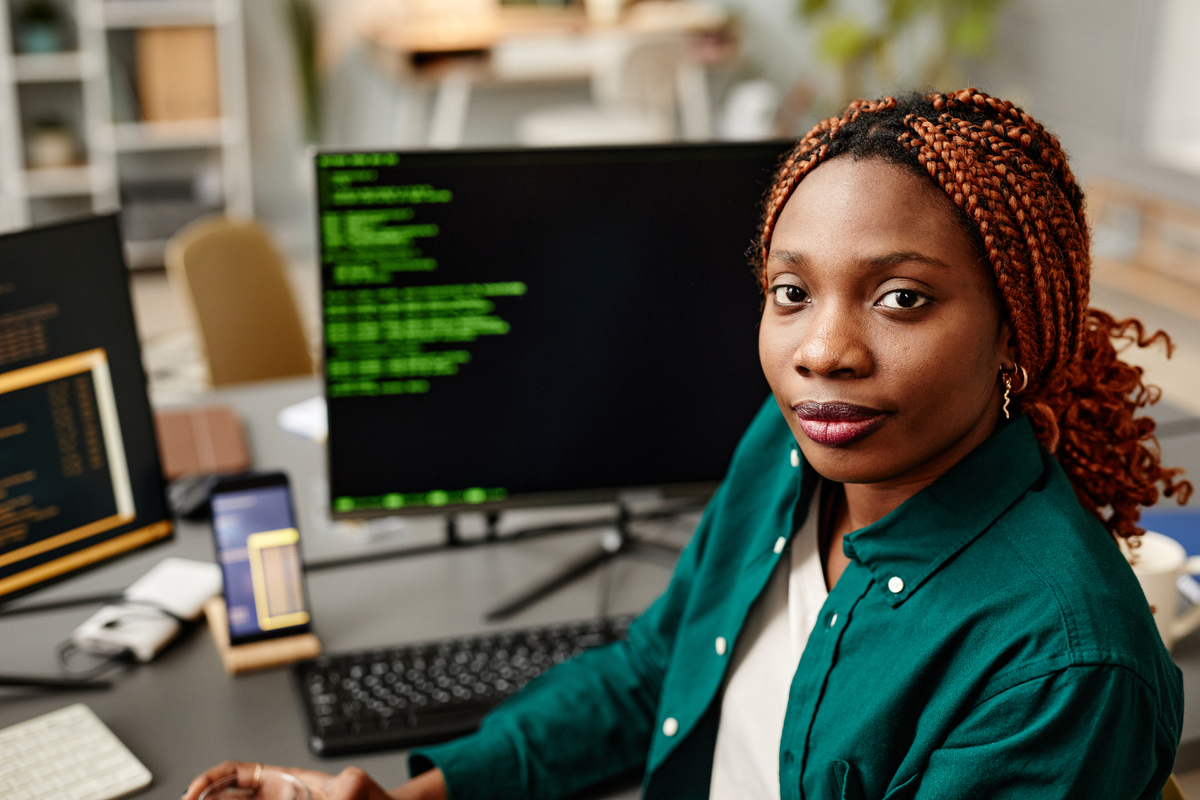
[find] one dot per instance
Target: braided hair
(1016, 199)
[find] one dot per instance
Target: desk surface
(182, 713)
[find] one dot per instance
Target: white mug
(1159, 564)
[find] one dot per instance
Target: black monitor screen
(523, 326)
(79, 473)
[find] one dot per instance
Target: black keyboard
(393, 697)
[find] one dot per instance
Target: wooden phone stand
(256, 655)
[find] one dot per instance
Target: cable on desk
(54, 605)
(102, 599)
(41, 682)
(67, 648)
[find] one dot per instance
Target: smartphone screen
(258, 548)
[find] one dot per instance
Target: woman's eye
(903, 298)
(788, 295)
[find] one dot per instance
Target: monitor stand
(614, 544)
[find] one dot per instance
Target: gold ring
(257, 776)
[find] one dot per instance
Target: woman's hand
(247, 772)
(349, 784)
(429, 785)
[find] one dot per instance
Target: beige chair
(235, 281)
(1172, 791)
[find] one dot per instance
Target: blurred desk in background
(545, 45)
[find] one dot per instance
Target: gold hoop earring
(1024, 378)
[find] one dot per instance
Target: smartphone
(258, 548)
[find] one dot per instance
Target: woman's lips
(838, 424)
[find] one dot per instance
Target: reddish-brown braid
(1016, 197)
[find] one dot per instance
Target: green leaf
(972, 34)
(901, 12)
(844, 40)
(812, 8)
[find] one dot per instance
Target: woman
(907, 585)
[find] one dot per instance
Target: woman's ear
(1007, 346)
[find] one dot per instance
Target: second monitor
(521, 327)
(80, 480)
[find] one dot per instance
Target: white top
(746, 760)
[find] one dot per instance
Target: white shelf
(99, 24)
(145, 13)
(58, 181)
(131, 137)
(47, 67)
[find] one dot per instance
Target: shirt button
(795, 458)
(721, 645)
(670, 726)
(833, 620)
(780, 543)
(896, 584)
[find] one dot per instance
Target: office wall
(276, 128)
(1079, 65)
(1174, 126)
(1087, 69)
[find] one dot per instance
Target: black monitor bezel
(166, 525)
(696, 491)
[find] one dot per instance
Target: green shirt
(987, 640)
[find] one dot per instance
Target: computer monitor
(518, 327)
(80, 480)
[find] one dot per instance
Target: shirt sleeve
(1083, 732)
(584, 721)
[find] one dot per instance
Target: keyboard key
(408, 695)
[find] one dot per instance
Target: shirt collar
(912, 542)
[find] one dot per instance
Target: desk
(541, 46)
(181, 713)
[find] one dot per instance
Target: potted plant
(865, 52)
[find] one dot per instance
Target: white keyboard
(68, 754)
